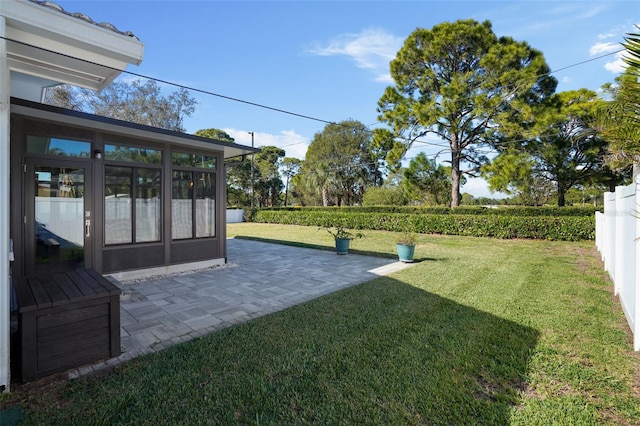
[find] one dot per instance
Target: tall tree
(239, 183)
(568, 151)
(341, 163)
(426, 182)
(268, 185)
(135, 102)
(619, 121)
(513, 172)
(464, 84)
(290, 167)
(238, 172)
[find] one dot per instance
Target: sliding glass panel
(118, 219)
(147, 205)
(205, 205)
(182, 205)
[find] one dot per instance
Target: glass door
(58, 217)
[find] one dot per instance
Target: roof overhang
(46, 43)
(124, 128)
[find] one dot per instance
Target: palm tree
(619, 121)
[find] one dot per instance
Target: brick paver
(260, 278)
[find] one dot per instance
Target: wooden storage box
(66, 320)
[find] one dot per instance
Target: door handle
(87, 228)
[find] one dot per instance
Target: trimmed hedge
(561, 228)
(587, 211)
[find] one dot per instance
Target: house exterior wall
(107, 258)
(4, 211)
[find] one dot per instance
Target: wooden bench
(65, 320)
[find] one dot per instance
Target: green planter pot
(342, 245)
(405, 252)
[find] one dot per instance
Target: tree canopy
(384, 196)
(568, 151)
(462, 83)
(341, 163)
(135, 102)
(512, 172)
(565, 152)
(290, 167)
(268, 183)
(618, 121)
(217, 134)
(426, 182)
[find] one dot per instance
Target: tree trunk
(455, 172)
(613, 181)
(325, 196)
(561, 196)
(286, 191)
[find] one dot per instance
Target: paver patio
(259, 278)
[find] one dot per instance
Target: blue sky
(329, 59)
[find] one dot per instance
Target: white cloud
(616, 66)
(294, 144)
(594, 11)
(604, 48)
(610, 34)
(566, 79)
(371, 49)
(616, 32)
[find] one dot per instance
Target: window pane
(59, 217)
(117, 205)
(193, 160)
(132, 153)
(56, 146)
(181, 205)
(147, 205)
(205, 205)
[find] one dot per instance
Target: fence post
(609, 233)
(599, 231)
(636, 259)
(624, 245)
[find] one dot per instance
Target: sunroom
(117, 197)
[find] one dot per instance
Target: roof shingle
(83, 17)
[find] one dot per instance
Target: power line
(234, 99)
(181, 86)
(283, 111)
(584, 62)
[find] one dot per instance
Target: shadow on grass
(383, 352)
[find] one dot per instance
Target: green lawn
(479, 331)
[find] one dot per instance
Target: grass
(479, 331)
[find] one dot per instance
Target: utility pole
(251, 133)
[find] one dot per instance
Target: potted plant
(406, 245)
(342, 238)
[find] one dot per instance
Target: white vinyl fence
(617, 239)
(235, 215)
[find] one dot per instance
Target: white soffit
(52, 44)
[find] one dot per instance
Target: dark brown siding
(126, 258)
(195, 250)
